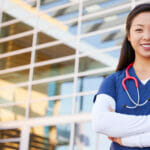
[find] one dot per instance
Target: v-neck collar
(145, 81)
(132, 73)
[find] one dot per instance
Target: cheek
(134, 42)
(134, 39)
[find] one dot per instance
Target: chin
(146, 56)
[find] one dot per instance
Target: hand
(111, 109)
(117, 140)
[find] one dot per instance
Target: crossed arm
(134, 131)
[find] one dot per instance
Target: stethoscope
(128, 77)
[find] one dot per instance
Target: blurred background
(54, 54)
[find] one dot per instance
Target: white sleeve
(140, 140)
(115, 124)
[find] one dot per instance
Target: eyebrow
(138, 25)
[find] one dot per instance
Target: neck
(142, 65)
(142, 69)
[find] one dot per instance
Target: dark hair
(127, 54)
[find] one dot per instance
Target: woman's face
(139, 35)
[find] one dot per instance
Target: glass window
(6, 17)
(62, 106)
(11, 94)
(9, 134)
(32, 3)
(51, 88)
(67, 14)
(87, 139)
(54, 70)
(98, 14)
(13, 29)
(50, 137)
(115, 54)
(16, 44)
(51, 108)
(15, 61)
(87, 84)
(62, 14)
(10, 145)
(87, 63)
(52, 52)
(15, 77)
(43, 38)
(11, 113)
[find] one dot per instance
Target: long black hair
(127, 54)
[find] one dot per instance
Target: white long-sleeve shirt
(134, 130)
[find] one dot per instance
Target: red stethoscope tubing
(128, 77)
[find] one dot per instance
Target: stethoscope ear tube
(128, 77)
(137, 105)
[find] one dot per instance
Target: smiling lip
(146, 46)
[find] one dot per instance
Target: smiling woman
(128, 112)
(139, 36)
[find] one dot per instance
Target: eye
(139, 30)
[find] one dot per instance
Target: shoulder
(109, 84)
(112, 78)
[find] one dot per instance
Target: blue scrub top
(112, 86)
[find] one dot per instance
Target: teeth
(146, 45)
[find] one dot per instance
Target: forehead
(142, 18)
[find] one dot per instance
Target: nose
(147, 35)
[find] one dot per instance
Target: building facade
(54, 54)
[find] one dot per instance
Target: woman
(124, 115)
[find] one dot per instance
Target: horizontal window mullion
(53, 61)
(51, 98)
(97, 14)
(20, 68)
(62, 77)
(109, 10)
(16, 52)
(51, 79)
(9, 140)
(100, 13)
(41, 81)
(24, 50)
(47, 62)
(102, 31)
(96, 71)
(100, 51)
(16, 36)
(49, 44)
(61, 7)
(9, 104)
(48, 121)
(13, 21)
(4, 24)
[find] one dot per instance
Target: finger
(111, 138)
(110, 109)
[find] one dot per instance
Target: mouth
(146, 46)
